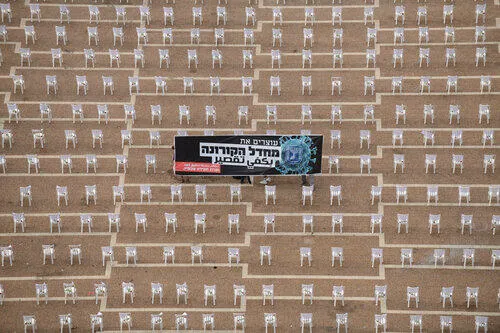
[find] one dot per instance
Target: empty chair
(364, 135)
(250, 15)
(452, 83)
(209, 291)
(485, 83)
(248, 35)
(89, 55)
(91, 162)
(307, 84)
(168, 251)
(233, 253)
(307, 291)
(85, 220)
(125, 319)
(306, 319)
(29, 31)
(267, 293)
(468, 255)
(133, 83)
(493, 192)
(481, 55)
(197, 15)
(61, 34)
(335, 191)
(181, 320)
(81, 81)
(233, 220)
(140, 219)
(34, 161)
(305, 253)
(65, 320)
(365, 160)
(70, 135)
(18, 81)
(157, 320)
(480, 34)
(376, 219)
(488, 135)
(463, 192)
(126, 136)
(336, 84)
(380, 321)
(412, 293)
(481, 321)
(399, 160)
(341, 319)
(428, 135)
(69, 292)
(277, 16)
(415, 320)
(270, 319)
(277, 37)
(424, 55)
(107, 82)
(397, 83)
(114, 219)
(399, 36)
(434, 220)
(14, 112)
(55, 220)
(138, 56)
(308, 36)
(182, 291)
(371, 56)
(18, 218)
(275, 84)
(62, 192)
(121, 13)
(7, 252)
(107, 252)
(430, 161)
(199, 220)
(397, 135)
(93, 34)
(25, 55)
(380, 292)
(447, 294)
(25, 193)
(38, 136)
(457, 160)
(399, 12)
(196, 251)
(451, 55)
(472, 294)
(48, 251)
(118, 34)
(167, 33)
(265, 251)
(307, 191)
(406, 255)
(336, 15)
(371, 35)
(91, 192)
(402, 220)
(337, 253)
(369, 86)
(128, 288)
(466, 221)
(41, 290)
(97, 135)
(449, 34)
(377, 254)
(77, 111)
(29, 321)
(439, 254)
(425, 84)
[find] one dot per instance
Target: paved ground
(356, 275)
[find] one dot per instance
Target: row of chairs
(337, 220)
(276, 57)
(306, 113)
(239, 321)
(485, 84)
(399, 35)
(25, 192)
(233, 254)
(250, 14)
(428, 136)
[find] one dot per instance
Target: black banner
(244, 155)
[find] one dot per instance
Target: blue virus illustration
(296, 155)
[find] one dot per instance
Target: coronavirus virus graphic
(297, 155)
